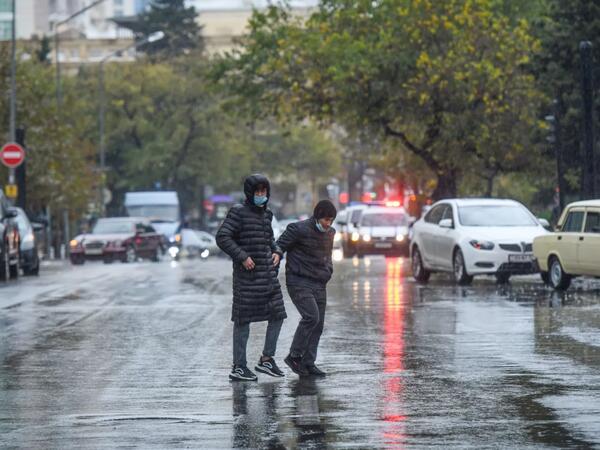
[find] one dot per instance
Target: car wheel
(502, 278)
(130, 255)
(460, 272)
(77, 260)
(4, 270)
(15, 269)
(158, 254)
(559, 280)
(545, 276)
(419, 272)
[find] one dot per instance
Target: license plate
(93, 251)
(520, 258)
(383, 245)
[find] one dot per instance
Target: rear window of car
(384, 220)
(574, 222)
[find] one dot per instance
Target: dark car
(30, 260)
(9, 246)
(122, 239)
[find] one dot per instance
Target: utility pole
(587, 94)
(13, 86)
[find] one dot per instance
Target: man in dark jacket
(309, 244)
(246, 236)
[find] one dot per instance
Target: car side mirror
(446, 223)
(544, 223)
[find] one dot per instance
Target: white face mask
(320, 227)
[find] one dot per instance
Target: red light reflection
(393, 352)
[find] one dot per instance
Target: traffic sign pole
(12, 156)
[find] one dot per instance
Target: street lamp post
(102, 109)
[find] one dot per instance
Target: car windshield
(384, 220)
(113, 227)
(495, 216)
(157, 213)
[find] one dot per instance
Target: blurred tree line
(447, 97)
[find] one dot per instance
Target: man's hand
(249, 264)
(276, 259)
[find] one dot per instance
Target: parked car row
(18, 245)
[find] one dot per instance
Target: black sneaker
(315, 371)
(296, 365)
(242, 373)
(269, 367)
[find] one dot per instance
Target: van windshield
(156, 213)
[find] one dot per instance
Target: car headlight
(482, 245)
(28, 239)
(400, 238)
(74, 243)
(355, 236)
(366, 237)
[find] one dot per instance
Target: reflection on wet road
(138, 355)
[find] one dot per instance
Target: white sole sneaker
(268, 371)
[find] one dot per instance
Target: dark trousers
(311, 304)
(240, 340)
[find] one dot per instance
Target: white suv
(468, 237)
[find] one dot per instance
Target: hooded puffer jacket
(247, 232)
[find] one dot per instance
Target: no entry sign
(12, 155)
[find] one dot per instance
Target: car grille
(526, 248)
(94, 245)
(511, 247)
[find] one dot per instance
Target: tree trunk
(446, 185)
(490, 185)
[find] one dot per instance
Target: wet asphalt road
(137, 356)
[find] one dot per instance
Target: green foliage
(59, 159)
(448, 80)
(559, 71)
(166, 124)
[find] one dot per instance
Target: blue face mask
(260, 200)
(320, 227)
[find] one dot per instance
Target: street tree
(176, 20)
(447, 80)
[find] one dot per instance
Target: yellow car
(574, 249)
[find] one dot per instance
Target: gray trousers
(311, 304)
(240, 340)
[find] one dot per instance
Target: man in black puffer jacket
(246, 236)
(309, 244)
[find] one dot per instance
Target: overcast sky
(243, 4)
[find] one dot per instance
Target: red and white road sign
(12, 155)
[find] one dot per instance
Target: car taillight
(138, 241)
